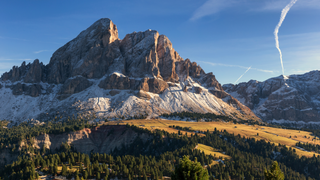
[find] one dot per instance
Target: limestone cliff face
(142, 73)
(291, 98)
(31, 73)
(90, 54)
(103, 139)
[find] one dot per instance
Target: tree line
(249, 158)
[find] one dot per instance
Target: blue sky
(225, 37)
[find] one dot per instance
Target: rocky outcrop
(74, 85)
(143, 95)
(144, 85)
(114, 92)
(33, 90)
(168, 58)
(151, 54)
(197, 90)
(103, 139)
(117, 82)
(292, 98)
(157, 85)
(35, 73)
(187, 69)
(30, 73)
(209, 80)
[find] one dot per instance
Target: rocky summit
(100, 75)
(282, 99)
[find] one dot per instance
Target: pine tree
(274, 173)
(87, 162)
(145, 175)
(189, 170)
(85, 174)
(64, 170)
(105, 178)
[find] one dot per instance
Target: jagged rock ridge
(294, 98)
(97, 73)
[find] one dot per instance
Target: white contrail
(276, 30)
(242, 75)
(233, 65)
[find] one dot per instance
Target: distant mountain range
(283, 99)
(99, 75)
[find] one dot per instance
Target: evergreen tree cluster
(249, 158)
(208, 117)
(309, 147)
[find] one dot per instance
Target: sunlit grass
(269, 134)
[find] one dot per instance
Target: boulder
(18, 89)
(197, 90)
(157, 86)
(114, 92)
(74, 85)
(34, 90)
(143, 95)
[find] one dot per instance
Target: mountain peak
(87, 74)
(86, 55)
(103, 21)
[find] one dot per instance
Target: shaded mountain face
(100, 75)
(282, 99)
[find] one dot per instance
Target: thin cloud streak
(210, 7)
(214, 6)
(40, 51)
(242, 67)
(242, 75)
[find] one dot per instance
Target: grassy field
(274, 135)
(210, 150)
(214, 152)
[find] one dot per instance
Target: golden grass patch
(212, 151)
(286, 137)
